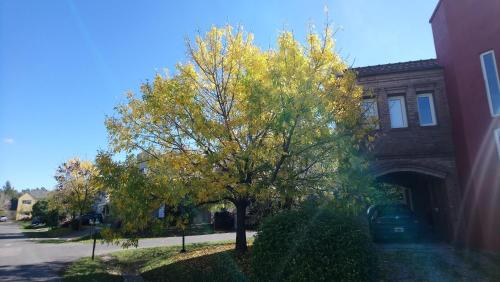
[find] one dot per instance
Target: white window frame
(486, 79)
(375, 108)
(403, 110)
(431, 104)
(496, 135)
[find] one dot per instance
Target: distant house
(101, 204)
(26, 201)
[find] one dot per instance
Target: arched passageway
(426, 196)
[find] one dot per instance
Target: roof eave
(397, 72)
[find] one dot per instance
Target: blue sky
(64, 65)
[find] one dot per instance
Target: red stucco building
(467, 42)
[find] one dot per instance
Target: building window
(490, 74)
(497, 139)
(397, 111)
(426, 113)
(370, 111)
(26, 202)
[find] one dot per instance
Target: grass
(195, 229)
(219, 262)
(46, 232)
(87, 270)
(212, 263)
(202, 262)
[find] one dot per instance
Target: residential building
(467, 42)
(414, 148)
(26, 201)
(101, 204)
(439, 124)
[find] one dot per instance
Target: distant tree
(9, 190)
(74, 193)
(13, 204)
(35, 190)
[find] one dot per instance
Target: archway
(426, 195)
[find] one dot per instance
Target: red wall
(463, 29)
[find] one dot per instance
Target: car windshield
(394, 210)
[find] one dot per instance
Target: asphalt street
(23, 259)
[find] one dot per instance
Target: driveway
(436, 262)
(23, 259)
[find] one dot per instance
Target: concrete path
(23, 259)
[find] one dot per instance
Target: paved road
(23, 259)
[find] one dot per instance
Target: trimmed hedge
(313, 245)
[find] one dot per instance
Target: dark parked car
(96, 217)
(394, 222)
(37, 221)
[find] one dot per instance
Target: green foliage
(86, 269)
(313, 244)
(241, 124)
(388, 194)
(75, 190)
(52, 218)
(8, 190)
(41, 209)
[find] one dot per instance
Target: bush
(40, 210)
(313, 245)
(52, 219)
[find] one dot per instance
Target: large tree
(237, 123)
(75, 191)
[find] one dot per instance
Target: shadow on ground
(32, 272)
(222, 266)
(90, 270)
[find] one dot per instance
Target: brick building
(439, 124)
(414, 148)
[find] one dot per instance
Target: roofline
(404, 71)
(28, 194)
(436, 67)
(435, 10)
(33, 196)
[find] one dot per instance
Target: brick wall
(427, 150)
(415, 141)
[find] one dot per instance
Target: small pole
(183, 241)
(93, 248)
(92, 235)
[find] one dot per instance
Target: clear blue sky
(64, 65)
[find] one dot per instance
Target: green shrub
(313, 245)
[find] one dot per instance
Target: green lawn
(207, 262)
(49, 233)
(87, 270)
(46, 232)
(219, 262)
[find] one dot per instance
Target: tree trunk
(241, 236)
